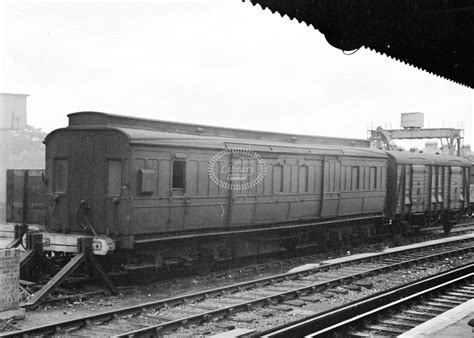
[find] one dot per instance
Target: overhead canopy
(435, 35)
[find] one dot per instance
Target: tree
(25, 148)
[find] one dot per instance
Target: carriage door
(86, 207)
(180, 202)
(115, 202)
(59, 176)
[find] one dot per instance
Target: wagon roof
(405, 157)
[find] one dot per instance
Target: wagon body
(25, 196)
(426, 184)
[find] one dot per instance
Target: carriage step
(135, 267)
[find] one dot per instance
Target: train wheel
(204, 268)
(144, 277)
(290, 244)
(447, 223)
(205, 263)
(447, 228)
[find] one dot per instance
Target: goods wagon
(427, 189)
(25, 196)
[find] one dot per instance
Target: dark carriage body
(144, 181)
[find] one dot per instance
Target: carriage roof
(163, 133)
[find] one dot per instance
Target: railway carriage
(146, 184)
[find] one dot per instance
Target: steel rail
(275, 298)
(287, 262)
(174, 301)
(328, 322)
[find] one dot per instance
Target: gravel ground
(259, 319)
(59, 311)
(262, 319)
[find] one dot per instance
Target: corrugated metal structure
(432, 35)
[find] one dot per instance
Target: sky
(224, 63)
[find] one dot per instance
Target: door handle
(187, 203)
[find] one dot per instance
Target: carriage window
(277, 178)
(60, 175)
(373, 178)
(303, 178)
(355, 178)
(179, 172)
(114, 178)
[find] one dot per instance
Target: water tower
(411, 129)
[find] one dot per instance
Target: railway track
(272, 264)
(298, 258)
(274, 292)
(390, 313)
